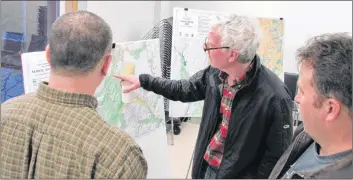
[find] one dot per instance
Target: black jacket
(341, 169)
(260, 128)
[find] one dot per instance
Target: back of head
(240, 33)
(330, 56)
(78, 41)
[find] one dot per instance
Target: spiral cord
(163, 30)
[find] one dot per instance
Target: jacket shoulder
(273, 84)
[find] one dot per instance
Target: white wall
(302, 19)
(129, 20)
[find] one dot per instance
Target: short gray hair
(330, 55)
(242, 34)
(78, 42)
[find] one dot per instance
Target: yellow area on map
(129, 68)
(270, 49)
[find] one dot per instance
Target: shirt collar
(49, 94)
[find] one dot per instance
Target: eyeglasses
(205, 48)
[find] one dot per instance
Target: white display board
(35, 69)
(190, 29)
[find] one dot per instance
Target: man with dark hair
(56, 132)
(322, 148)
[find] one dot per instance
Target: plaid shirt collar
(46, 93)
(223, 75)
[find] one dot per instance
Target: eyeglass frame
(208, 49)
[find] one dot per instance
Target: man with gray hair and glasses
(246, 123)
(56, 132)
(322, 147)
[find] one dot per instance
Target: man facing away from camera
(56, 132)
(322, 147)
(246, 123)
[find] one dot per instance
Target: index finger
(122, 77)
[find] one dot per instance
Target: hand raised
(131, 82)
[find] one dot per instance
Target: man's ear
(47, 54)
(233, 56)
(106, 64)
(332, 109)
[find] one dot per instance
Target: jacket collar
(251, 74)
(302, 141)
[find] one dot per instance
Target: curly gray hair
(240, 33)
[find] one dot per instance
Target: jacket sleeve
(279, 136)
(183, 90)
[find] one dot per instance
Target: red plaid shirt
(214, 152)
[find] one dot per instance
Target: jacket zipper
(297, 176)
(209, 140)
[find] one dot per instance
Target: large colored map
(270, 49)
(142, 115)
(146, 112)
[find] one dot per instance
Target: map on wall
(186, 60)
(145, 112)
(270, 50)
(190, 28)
